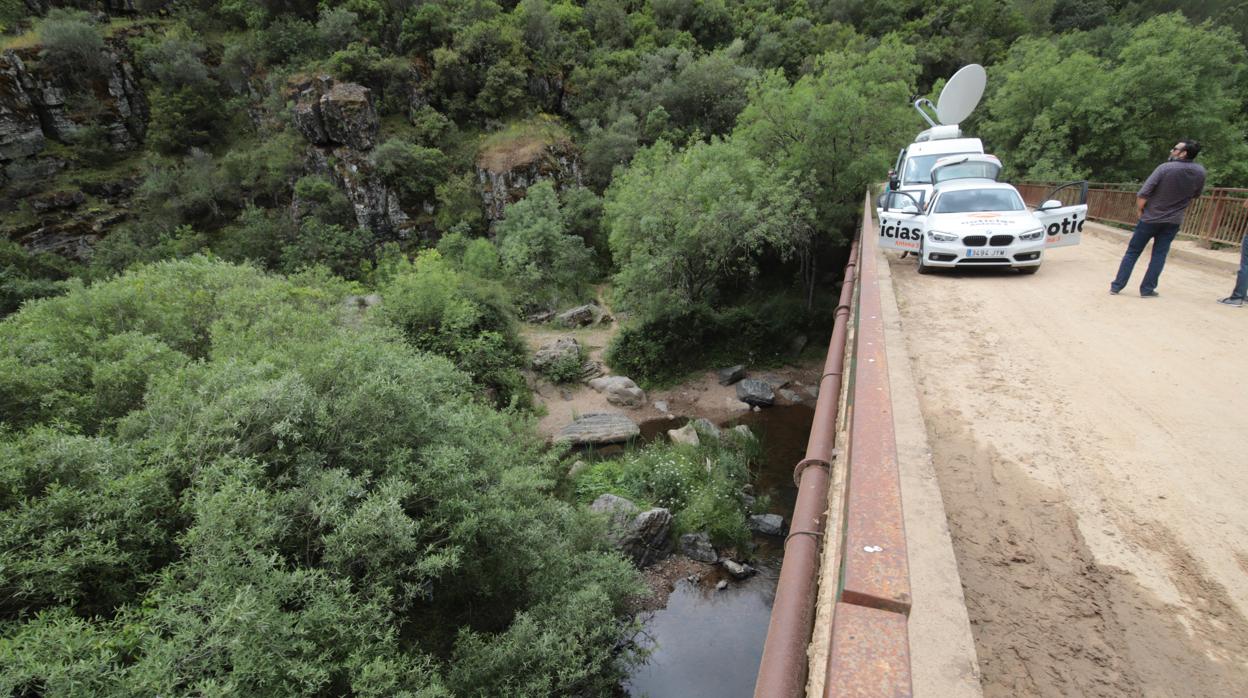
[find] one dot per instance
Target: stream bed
(706, 643)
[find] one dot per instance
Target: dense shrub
(317, 196)
(308, 507)
(25, 276)
(701, 485)
(72, 45)
(666, 344)
(547, 266)
(184, 117)
(413, 170)
(142, 242)
(451, 314)
(344, 250)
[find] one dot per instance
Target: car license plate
(985, 253)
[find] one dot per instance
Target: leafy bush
(666, 344)
(289, 506)
(459, 203)
(337, 27)
(701, 497)
(342, 249)
(413, 170)
(565, 369)
(317, 196)
(184, 117)
(450, 314)
(141, 242)
(547, 266)
(257, 235)
(687, 226)
(25, 276)
(72, 45)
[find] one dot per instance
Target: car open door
(1063, 213)
(901, 221)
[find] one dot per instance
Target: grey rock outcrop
(697, 546)
(619, 390)
(685, 435)
(599, 428)
(707, 428)
(579, 316)
(551, 353)
(755, 392)
(35, 107)
(767, 524)
(375, 205)
(505, 171)
(730, 375)
(643, 537)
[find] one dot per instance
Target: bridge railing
(1218, 216)
(869, 636)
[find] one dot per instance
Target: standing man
(1241, 279)
(1161, 203)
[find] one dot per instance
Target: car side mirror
(1051, 203)
(894, 182)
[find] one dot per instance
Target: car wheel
(923, 268)
(1029, 270)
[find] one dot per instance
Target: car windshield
(919, 167)
(976, 200)
(967, 170)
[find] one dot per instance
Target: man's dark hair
(1192, 148)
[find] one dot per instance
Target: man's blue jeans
(1241, 279)
(1162, 234)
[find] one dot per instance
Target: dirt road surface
(1092, 453)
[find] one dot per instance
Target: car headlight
(1032, 234)
(936, 236)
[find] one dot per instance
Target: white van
(912, 172)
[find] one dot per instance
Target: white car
(972, 220)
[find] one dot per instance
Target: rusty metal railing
(1220, 215)
(869, 652)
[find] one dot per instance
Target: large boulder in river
(755, 392)
(643, 537)
(598, 429)
(697, 546)
(767, 524)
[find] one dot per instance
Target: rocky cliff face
(505, 172)
(38, 106)
(340, 122)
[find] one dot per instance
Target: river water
(707, 643)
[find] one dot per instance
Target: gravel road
(1092, 452)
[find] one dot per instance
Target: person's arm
(1146, 190)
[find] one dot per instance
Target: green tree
(413, 170)
(547, 265)
(686, 225)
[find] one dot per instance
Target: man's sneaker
(1113, 291)
(1237, 302)
(1150, 294)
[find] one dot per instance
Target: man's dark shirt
(1169, 189)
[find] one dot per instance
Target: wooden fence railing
(1220, 215)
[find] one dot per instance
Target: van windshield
(919, 167)
(977, 200)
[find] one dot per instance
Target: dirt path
(1092, 452)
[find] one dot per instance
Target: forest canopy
(266, 414)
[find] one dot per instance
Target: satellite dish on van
(961, 94)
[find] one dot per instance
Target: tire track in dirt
(1083, 457)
